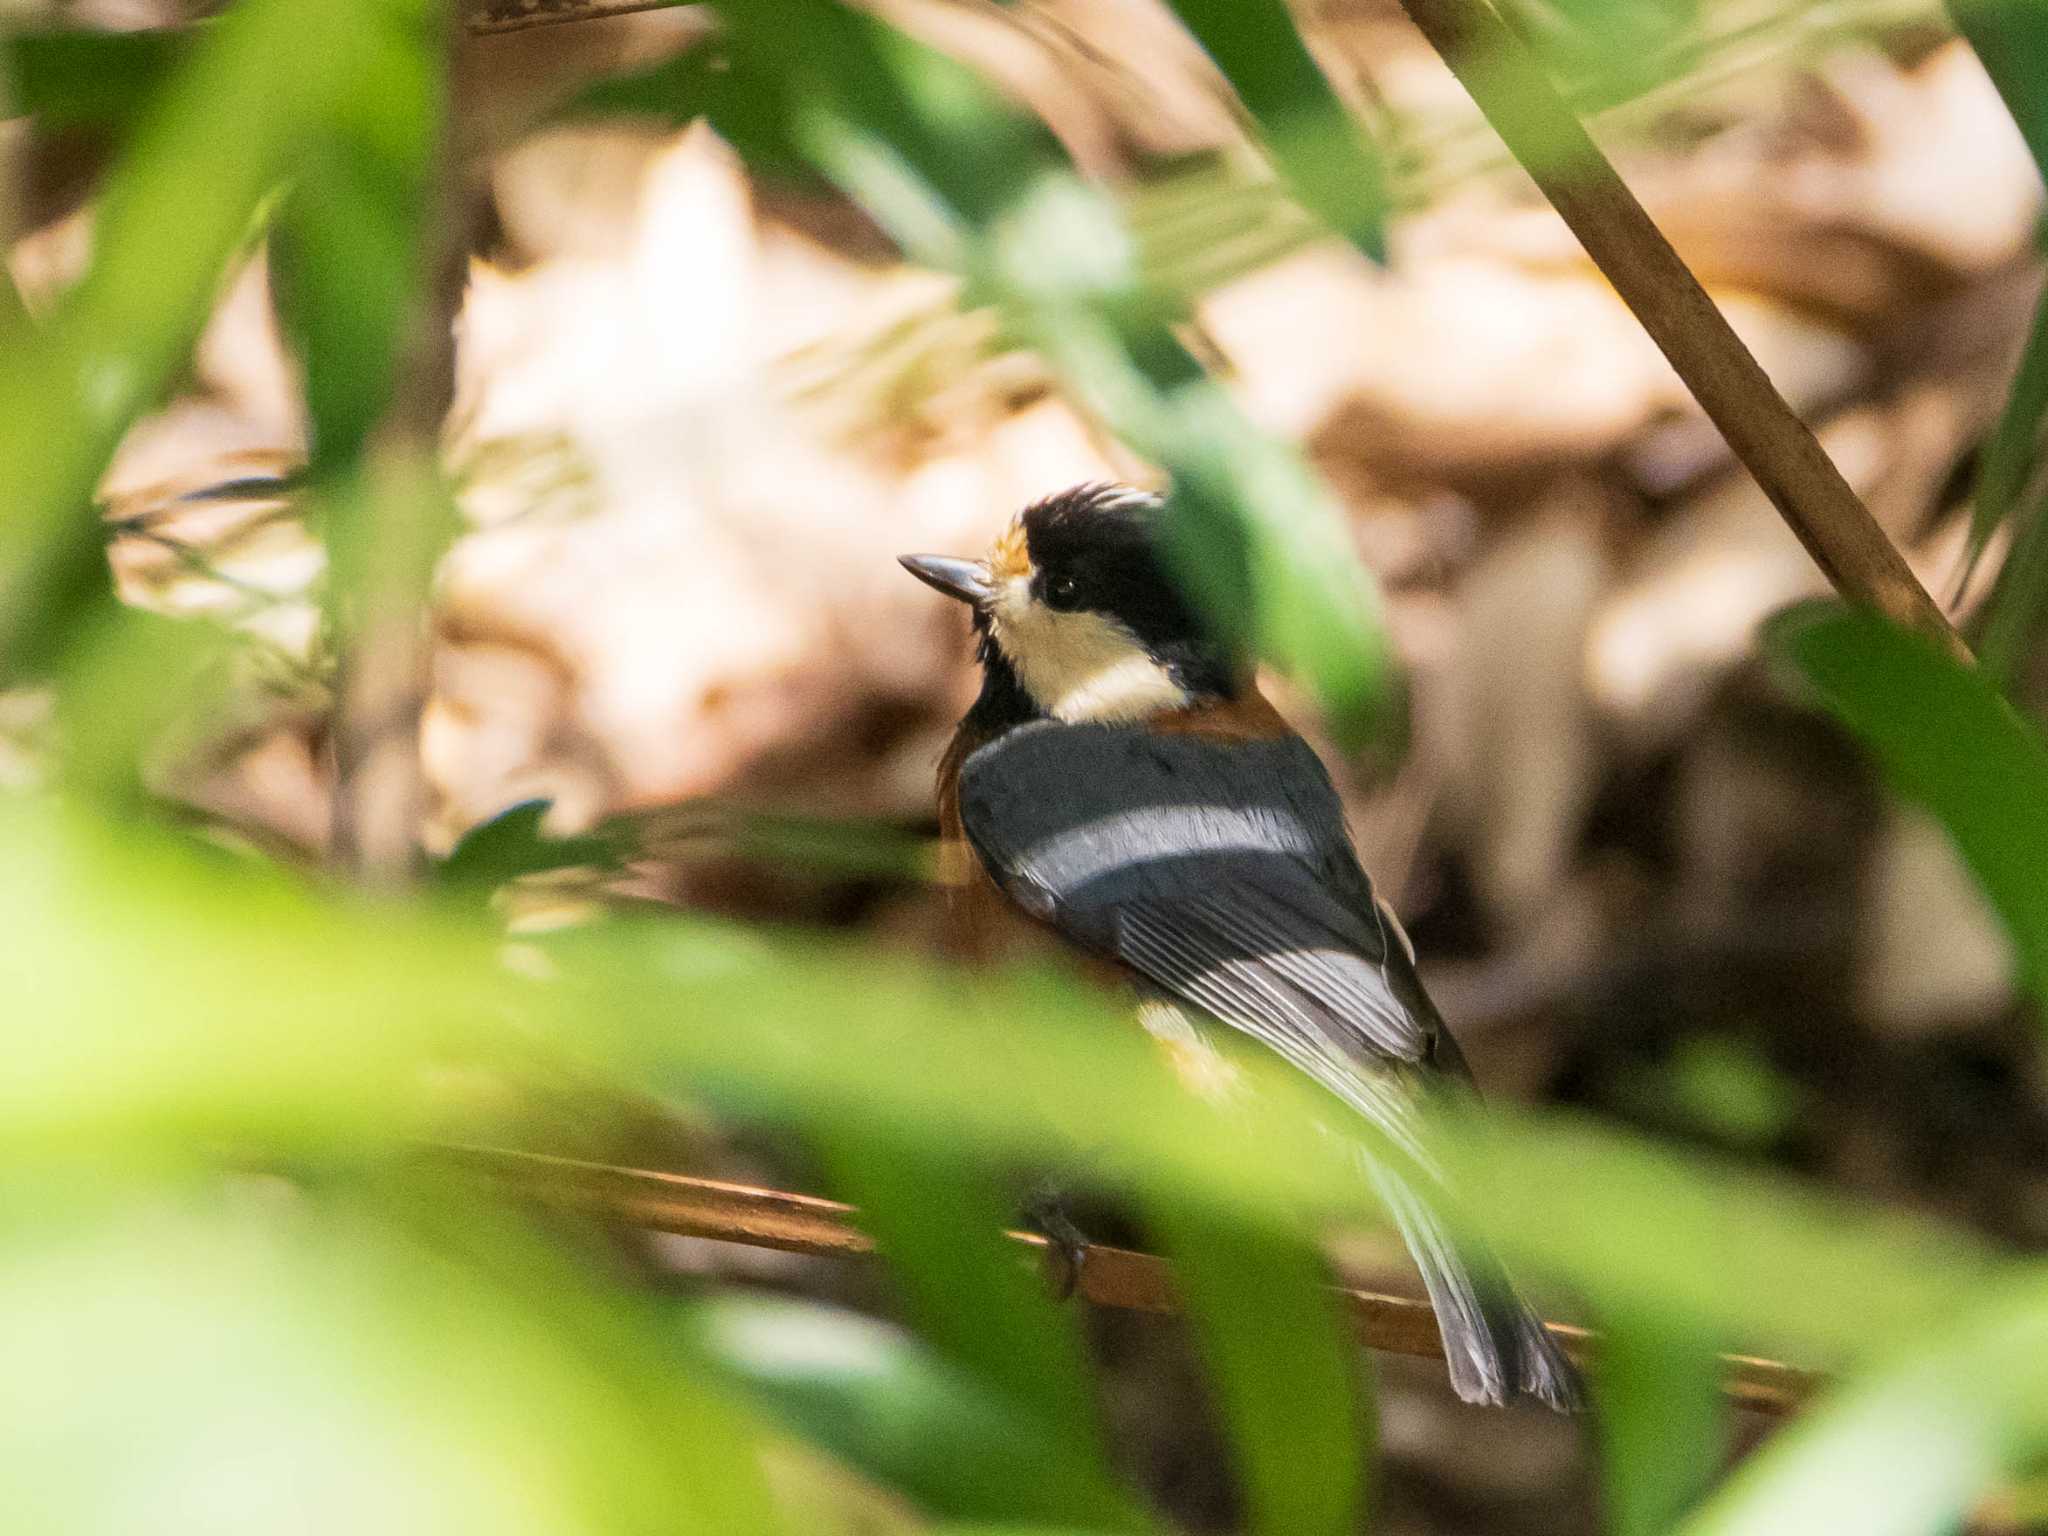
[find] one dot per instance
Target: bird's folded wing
(1221, 872)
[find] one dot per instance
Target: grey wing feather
(1220, 870)
(1222, 873)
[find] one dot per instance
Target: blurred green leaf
(1720, 1256)
(744, 103)
(137, 688)
(2007, 465)
(167, 998)
(1906, 1449)
(346, 264)
(163, 994)
(90, 79)
(1947, 738)
(1662, 1420)
(512, 844)
(2011, 40)
(254, 1359)
(871, 1395)
(1288, 1375)
(1604, 52)
(1326, 156)
(964, 183)
(226, 128)
(845, 846)
(940, 1222)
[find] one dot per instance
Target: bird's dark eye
(1061, 592)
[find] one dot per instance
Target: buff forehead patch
(1011, 558)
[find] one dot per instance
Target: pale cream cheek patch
(1079, 666)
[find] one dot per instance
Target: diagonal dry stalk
(1510, 87)
(1108, 1277)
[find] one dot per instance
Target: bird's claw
(1066, 1247)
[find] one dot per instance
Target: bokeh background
(700, 402)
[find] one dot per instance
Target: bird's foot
(1066, 1245)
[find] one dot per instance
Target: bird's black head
(1077, 616)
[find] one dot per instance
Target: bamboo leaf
(1947, 738)
(1290, 1380)
(1663, 1423)
(963, 182)
(2011, 40)
(212, 145)
(871, 1395)
(2008, 464)
(1326, 156)
(337, 1365)
(941, 1224)
(1909, 1447)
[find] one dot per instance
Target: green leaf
(170, 999)
(346, 260)
(2008, 464)
(743, 102)
(1910, 1446)
(1946, 738)
(210, 147)
(1288, 1375)
(1722, 1257)
(1327, 158)
(871, 1395)
(962, 182)
(90, 79)
(2011, 40)
(511, 844)
(255, 1358)
(1662, 1420)
(941, 1224)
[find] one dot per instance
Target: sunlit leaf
(1907, 1449)
(871, 1395)
(212, 144)
(1946, 737)
(1663, 1422)
(161, 990)
(1288, 1375)
(964, 182)
(254, 1359)
(1720, 1256)
(1328, 159)
(940, 1222)
(346, 260)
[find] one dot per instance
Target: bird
(1121, 780)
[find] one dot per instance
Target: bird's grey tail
(1495, 1346)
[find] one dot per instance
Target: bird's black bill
(964, 579)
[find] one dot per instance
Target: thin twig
(487, 16)
(1511, 89)
(383, 674)
(1109, 1277)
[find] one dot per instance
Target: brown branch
(1511, 89)
(399, 528)
(1110, 1277)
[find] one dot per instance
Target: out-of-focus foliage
(1961, 750)
(237, 1293)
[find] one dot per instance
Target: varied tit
(1121, 780)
